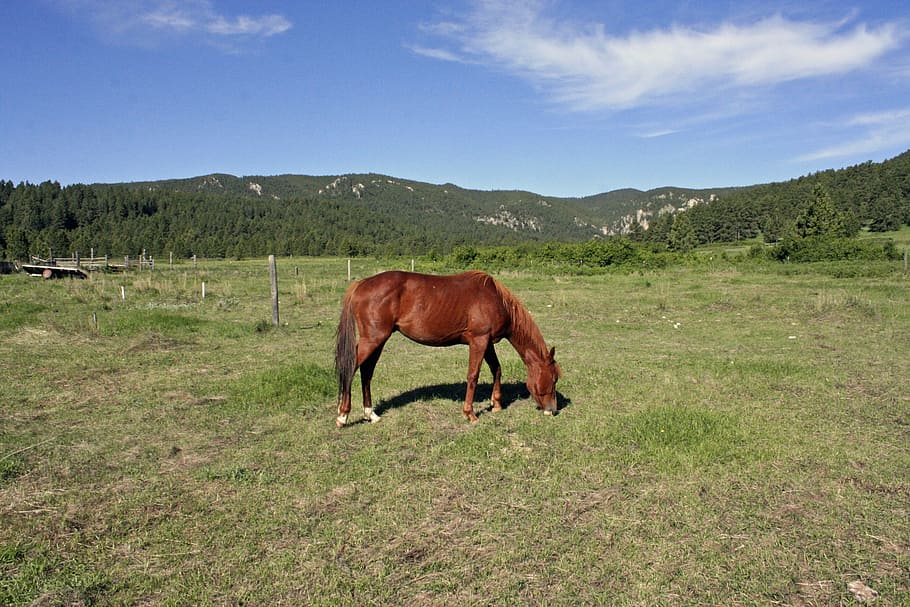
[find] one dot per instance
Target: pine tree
(821, 217)
(682, 235)
(884, 212)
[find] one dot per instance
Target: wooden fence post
(349, 269)
(273, 275)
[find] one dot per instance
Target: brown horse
(471, 308)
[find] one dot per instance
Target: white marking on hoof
(369, 414)
(548, 412)
(341, 420)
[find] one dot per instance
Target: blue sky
(561, 97)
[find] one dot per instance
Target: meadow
(730, 433)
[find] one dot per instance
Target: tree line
(47, 219)
(874, 196)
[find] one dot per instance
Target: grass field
(728, 435)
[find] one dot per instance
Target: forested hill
(403, 200)
(549, 217)
(224, 215)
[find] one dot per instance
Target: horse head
(542, 382)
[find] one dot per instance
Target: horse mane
(524, 330)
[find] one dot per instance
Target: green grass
(301, 388)
(673, 437)
(729, 434)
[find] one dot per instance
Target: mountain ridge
(605, 214)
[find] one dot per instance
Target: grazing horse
(470, 308)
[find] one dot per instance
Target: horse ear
(554, 363)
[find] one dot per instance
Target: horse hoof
(372, 417)
(548, 412)
(341, 420)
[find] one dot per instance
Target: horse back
(430, 309)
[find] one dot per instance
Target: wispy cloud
(586, 67)
(167, 18)
(140, 19)
(877, 131)
(267, 25)
(882, 119)
(438, 53)
(658, 133)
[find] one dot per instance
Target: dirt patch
(191, 400)
(154, 342)
(814, 593)
(581, 507)
(896, 489)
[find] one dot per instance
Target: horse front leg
(496, 368)
(477, 349)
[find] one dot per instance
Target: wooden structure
(53, 271)
(77, 266)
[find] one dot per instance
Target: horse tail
(346, 344)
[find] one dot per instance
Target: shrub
(825, 248)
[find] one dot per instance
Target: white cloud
(437, 53)
(267, 25)
(882, 119)
(658, 133)
(123, 19)
(586, 67)
(167, 18)
(879, 131)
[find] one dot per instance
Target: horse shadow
(512, 393)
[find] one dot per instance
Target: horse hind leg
(343, 412)
(368, 352)
(493, 362)
(344, 404)
(366, 379)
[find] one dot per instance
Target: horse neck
(528, 349)
(526, 338)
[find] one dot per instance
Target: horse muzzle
(549, 405)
